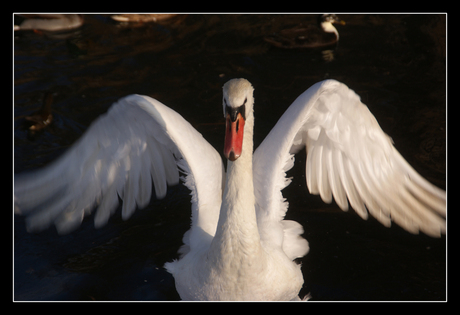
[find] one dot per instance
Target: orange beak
(233, 137)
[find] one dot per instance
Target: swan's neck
(329, 28)
(237, 236)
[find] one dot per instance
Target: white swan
(49, 22)
(238, 247)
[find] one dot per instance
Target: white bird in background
(239, 246)
(48, 22)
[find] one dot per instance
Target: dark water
(397, 63)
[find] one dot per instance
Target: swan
(131, 17)
(239, 247)
(322, 35)
(49, 22)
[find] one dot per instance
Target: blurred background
(395, 62)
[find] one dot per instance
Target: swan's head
(238, 101)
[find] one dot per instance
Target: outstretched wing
(350, 158)
(139, 140)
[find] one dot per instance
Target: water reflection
(395, 62)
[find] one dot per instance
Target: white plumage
(239, 247)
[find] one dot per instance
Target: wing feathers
(107, 206)
(349, 158)
(136, 143)
(338, 190)
(359, 190)
(157, 170)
